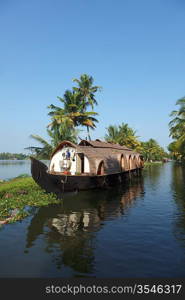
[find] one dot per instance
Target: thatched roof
(101, 144)
(94, 147)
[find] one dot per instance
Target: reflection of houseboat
(91, 164)
(69, 231)
(90, 220)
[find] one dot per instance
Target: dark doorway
(81, 155)
(100, 168)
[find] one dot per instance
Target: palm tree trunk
(88, 134)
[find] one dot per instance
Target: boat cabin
(93, 158)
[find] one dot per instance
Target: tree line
(76, 111)
(12, 156)
(125, 135)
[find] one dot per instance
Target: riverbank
(147, 164)
(18, 195)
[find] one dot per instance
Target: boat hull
(55, 183)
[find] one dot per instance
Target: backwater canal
(137, 230)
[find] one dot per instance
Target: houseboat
(88, 165)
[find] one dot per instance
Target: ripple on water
(134, 231)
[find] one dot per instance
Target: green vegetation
(149, 164)
(66, 120)
(152, 151)
(18, 156)
(74, 113)
(19, 193)
(125, 135)
(177, 131)
(75, 106)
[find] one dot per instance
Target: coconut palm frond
(181, 101)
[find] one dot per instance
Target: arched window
(126, 159)
(100, 170)
(122, 163)
(134, 162)
(130, 162)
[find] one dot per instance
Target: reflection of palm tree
(72, 224)
(37, 223)
(154, 173)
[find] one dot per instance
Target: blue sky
(134, 49)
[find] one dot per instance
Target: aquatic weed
(19, 193)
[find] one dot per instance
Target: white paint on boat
(86, 165)
(60, 163)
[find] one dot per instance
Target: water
(132, 231)
(13, 168)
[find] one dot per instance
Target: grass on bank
(147, 163)
(19, 193)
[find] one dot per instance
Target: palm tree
(128, 136)
(177, 130)
(62, 133)
(151, 150)
(42, 152)
(74, 112)
(72, 115)
(177, 125)
(112, 134)
(56, 136)
(123, 135)
(177, 150)
(86, 90)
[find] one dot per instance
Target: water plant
(18, 194)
